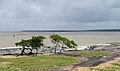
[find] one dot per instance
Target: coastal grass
(35, 63)
(113, 67)
(89, 53)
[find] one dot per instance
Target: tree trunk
(30, 50)
(61, 48)
(36, 51)
(55, 49)
(22, 52)
(30, 53)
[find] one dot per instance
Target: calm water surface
(81, 38)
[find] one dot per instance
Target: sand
(12, 56)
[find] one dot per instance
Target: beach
(81, 38)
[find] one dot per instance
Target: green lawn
(89, 53)
(35, 63)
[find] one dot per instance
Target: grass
(89, 53)
(113, 67)
(36, 63)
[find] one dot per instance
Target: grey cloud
(59, 14)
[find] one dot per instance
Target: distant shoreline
(100, 30)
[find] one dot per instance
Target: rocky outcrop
(96, 60)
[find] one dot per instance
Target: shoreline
(16, 50)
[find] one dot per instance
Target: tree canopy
(57, 40)
(24, 43)
(35, 42)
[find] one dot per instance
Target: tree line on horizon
(37, 42)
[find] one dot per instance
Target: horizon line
(74, 30)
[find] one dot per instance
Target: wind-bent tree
(69, 43)
(63, 41)
(57, 40)
(37, 42)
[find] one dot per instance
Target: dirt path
(107, 64)
(11, 56)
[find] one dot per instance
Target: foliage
(38, 63)
(57, 40)
(69, 43)
(35, 42)
(24, 43)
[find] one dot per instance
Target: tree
(63, 40)
(24, 44)
(68, 43)
(36, 42)
(57, 40)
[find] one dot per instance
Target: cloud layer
(59, 14)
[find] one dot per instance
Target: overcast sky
(16, 15)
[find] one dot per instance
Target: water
(81, 38)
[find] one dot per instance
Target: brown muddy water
(81, 38)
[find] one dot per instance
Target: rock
(65, 54)
(96, 60)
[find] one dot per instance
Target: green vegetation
(36, 42)
(113, 67)
(89, 53)
(58, 40)
(35, 63)
(24, 44)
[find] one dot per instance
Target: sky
(16, 15)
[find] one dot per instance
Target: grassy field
(89, 53)
(44, 62)
(35, 63)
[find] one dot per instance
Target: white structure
(10, 50)
(82, 48)
(101, 44)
